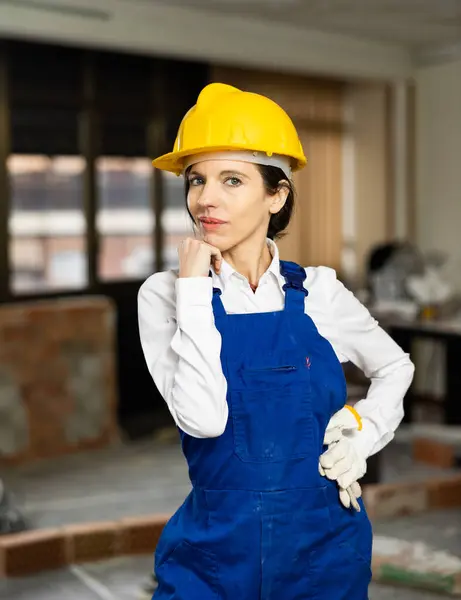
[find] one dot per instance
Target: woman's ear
(280, 197)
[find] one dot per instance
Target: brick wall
(57, 378)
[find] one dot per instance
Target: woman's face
(229, 202)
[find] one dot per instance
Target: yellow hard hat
(228, 119)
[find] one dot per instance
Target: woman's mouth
(210, 224)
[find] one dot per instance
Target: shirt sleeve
(182, 349)
(360, 339)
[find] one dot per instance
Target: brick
(92, 541)
(32, 552)
(398, 499)
(444, 493)
(75, 339)
(141, 534)
(395, 499)
(433, 452)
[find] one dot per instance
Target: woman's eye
(233, 181)
(196, 181)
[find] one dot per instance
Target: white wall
(144, 26)
(438, 158)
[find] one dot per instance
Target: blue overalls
(261, 523)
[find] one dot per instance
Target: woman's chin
(214, 239)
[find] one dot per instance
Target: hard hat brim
(173, 163)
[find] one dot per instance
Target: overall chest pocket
(271, 413)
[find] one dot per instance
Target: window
(46, 223)
(125, 219)
(65, 106)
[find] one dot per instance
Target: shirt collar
(228, 273)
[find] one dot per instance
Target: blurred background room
(90, 92)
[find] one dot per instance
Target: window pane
(125, 218)
(176, 222)
(46, 223)
(44, 131)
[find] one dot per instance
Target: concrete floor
(149, 476)
(127, 480)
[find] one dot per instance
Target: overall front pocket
(272, 414)
(188, 573)
(341, 567)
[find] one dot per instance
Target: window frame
(158, 122)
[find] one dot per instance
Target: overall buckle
(297, 284)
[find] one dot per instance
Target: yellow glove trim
(356, 415)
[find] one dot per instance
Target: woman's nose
(208, 195)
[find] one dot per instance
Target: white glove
(341, 462)
(350, 496)
(346, 419)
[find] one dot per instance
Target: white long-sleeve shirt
(182, 345)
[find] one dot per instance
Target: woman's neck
(251, 259)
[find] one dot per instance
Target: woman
(246, 351)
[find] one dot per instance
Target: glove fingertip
(345, 498)
(357, 490)
(345, 481)
(324, 463)
(356, 506)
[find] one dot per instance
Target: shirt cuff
(193, 299)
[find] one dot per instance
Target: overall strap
(218, 307)
(295, 292)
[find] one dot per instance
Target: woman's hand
(195, 258)
(341, 462)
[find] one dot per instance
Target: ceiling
(417, 24)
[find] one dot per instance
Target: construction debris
(415, 564)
